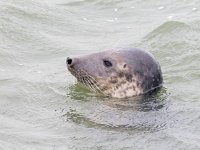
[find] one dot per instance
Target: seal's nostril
(69, 61)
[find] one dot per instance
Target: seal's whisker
(92, 81)
(94, 86)
(97, 87)
(88, 80)
(82, 80)
(90, 85)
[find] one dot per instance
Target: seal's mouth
(87, 80)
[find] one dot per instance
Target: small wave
(107, 3)
(134, 114)
(167, 28)
(113, 119)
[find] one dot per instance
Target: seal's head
(120, 74)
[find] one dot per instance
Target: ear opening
(124, 66)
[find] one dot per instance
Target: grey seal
(118, 73)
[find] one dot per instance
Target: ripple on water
(134, 114)
(41, 107)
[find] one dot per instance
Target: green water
(42, 106)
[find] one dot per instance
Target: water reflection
(79, 92)
(148, 102)
(130, 114)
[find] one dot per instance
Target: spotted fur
(130, 72)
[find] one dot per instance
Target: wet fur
(134, 72)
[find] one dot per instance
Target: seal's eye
(107, 63)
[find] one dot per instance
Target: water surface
(42, 106)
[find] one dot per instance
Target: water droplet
(112, 20)
(116, 9)
(161, 7)
(128, 27)
(85, 19)
(194, 9)
(170, 17)
(132, 7)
